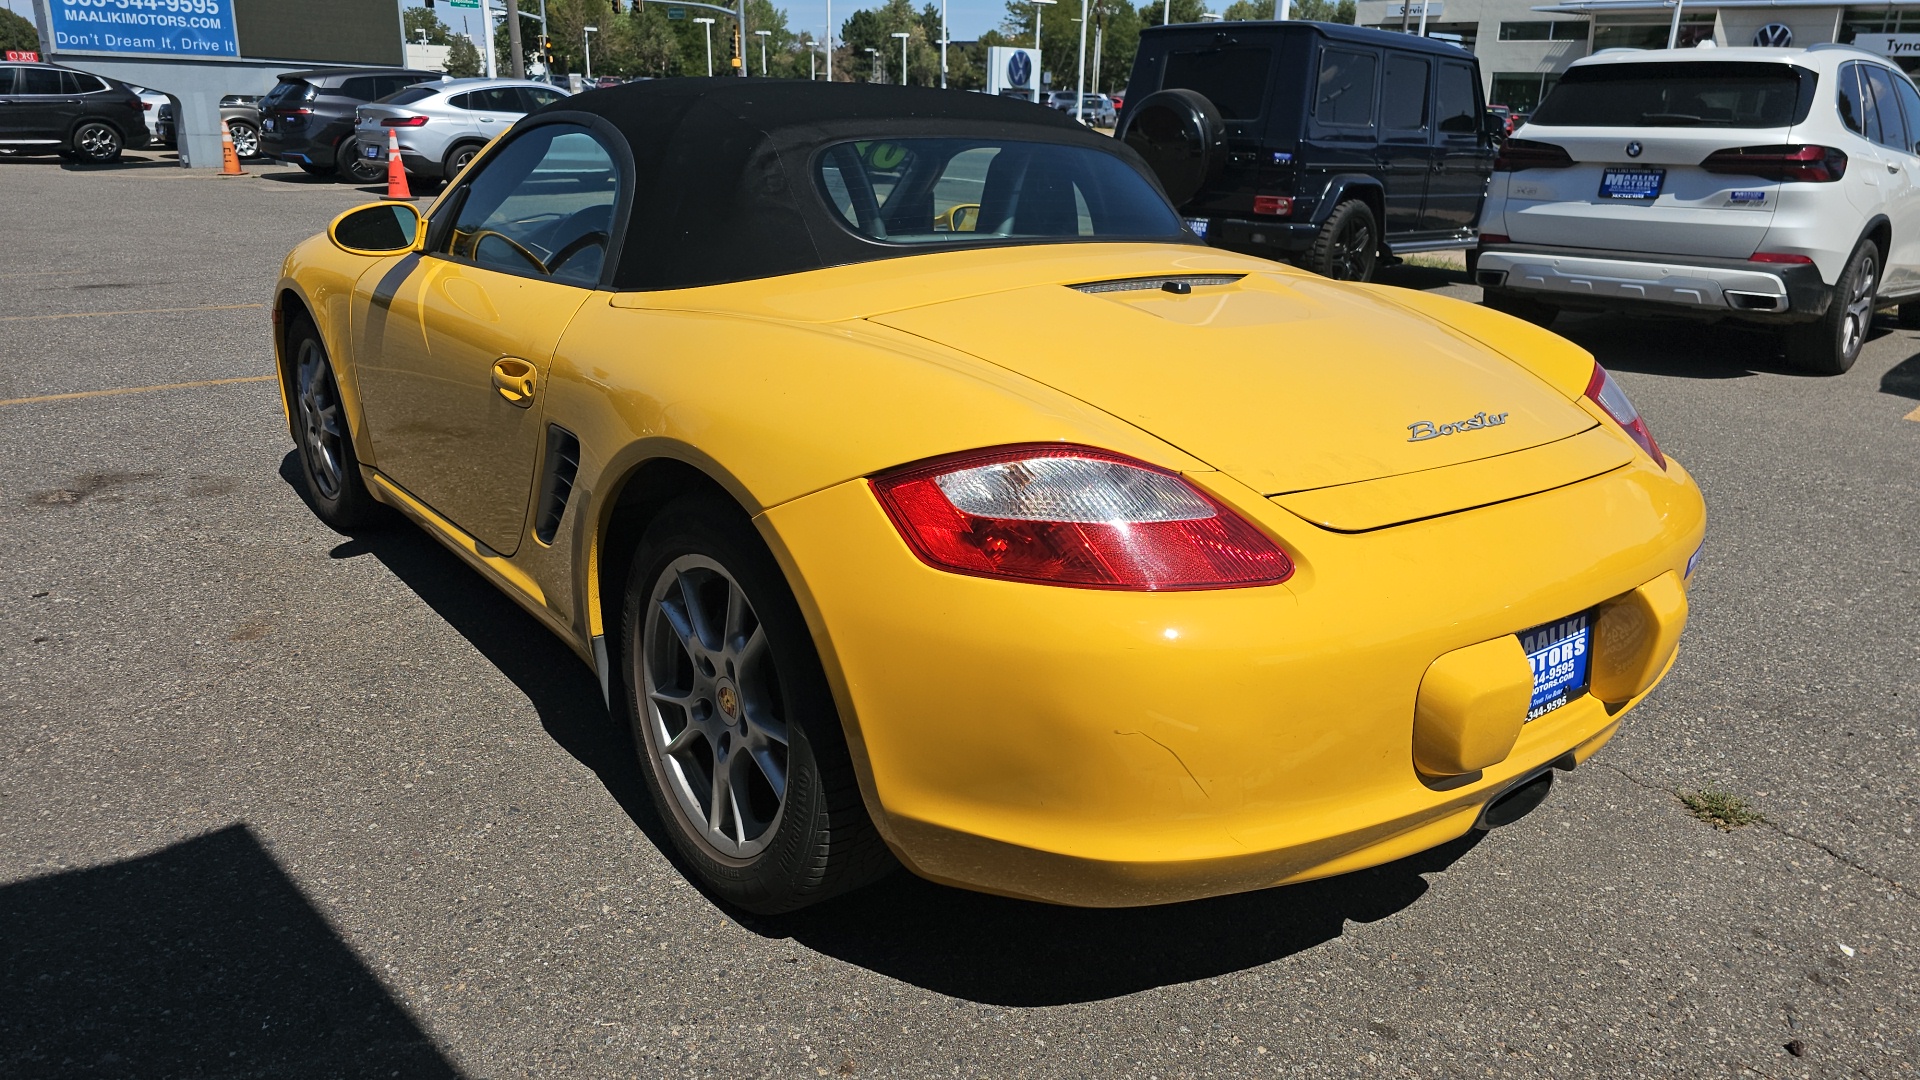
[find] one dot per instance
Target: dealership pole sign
(143, 27)
(1010, 68)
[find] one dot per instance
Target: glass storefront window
(1544, 30)
(1640, 32)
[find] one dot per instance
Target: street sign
(463, 3)
(676, 13)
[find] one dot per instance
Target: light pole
(943, 44)
(1673, 31)
(874, 67)
(1166, 12)
(903, 58)
(1042, 66)
(1080, 88)
(763, 35)
(586, 38)
(707, 25)
(829, 56)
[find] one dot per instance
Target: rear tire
(246, 139)
(328, 463)
(354, 168)
(97, 143)
(1830, 344)
(459, 158)
(732, 719)
(1347, 247)
(1537, 312)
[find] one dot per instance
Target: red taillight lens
(1074, 516)
(1276, 205)
(1518, 154)
(1612, 400)
(403, 121)
(1818, 164)
(1779, 257)
(1495, 238)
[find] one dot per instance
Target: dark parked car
(240, 112)
(308, 118)
(45, 108)
(1325, 145)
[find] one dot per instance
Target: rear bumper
(1578, 278)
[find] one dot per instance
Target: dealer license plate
(1632, 185)
(1559, 653)
(370, 151)
(1199, 226)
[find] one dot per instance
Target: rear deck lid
(1286, 382)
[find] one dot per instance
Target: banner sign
(1889, 44)
(156, 27)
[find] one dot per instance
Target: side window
(461, 101)
(537, 98)
(393, 84)
(359, 89)
(1886, 103)
(1910, 104)
(1459, 100)
(542, 206)
(1344, 93)
(504, 99)
(74, 82)
(37, 81)
(1853, 111)
(6, 79)
(1403, 93)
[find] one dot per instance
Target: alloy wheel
(97, 142)
(246, 141)
(713, 710)
(360, 168)
(1353, 252)
(323, 431)
(1859, 317)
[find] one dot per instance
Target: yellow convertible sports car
(923, 492)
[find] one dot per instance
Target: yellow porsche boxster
(1037, 547)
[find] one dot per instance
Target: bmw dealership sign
(1011, 69)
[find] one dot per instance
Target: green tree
(417, 19)
(17, 33)
(874, 28)
(1337, 11)
(463, 60)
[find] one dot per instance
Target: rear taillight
(145, 106)
(1075, 516)
(1495, 238)
(1276, 205)
(403, 121)
(1606, 393)
(1518, 154)
(1818, 164)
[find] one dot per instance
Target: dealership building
(1524, 45)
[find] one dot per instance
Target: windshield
(1717, 94)
(927, 191)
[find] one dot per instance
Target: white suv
(1774, 186)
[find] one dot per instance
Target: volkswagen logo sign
(1633, 148)
(1773, 36)
(1019, 69)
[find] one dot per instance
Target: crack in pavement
(1780, 829)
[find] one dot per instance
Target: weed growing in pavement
(1719, 809)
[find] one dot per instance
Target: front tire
(1347, 247)
(732, 719)
(328, 463)
(97, 143)
(1830, 344)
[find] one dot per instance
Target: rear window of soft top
(1717, 94)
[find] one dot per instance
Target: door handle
(514, 379)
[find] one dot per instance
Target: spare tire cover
(1181, 135)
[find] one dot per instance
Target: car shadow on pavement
(1903, 380)
(1679, 347)
(201, 959)
(125, 164)
(998, 951)
(964, 944)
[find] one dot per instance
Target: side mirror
(1492, 126)
(387, 228)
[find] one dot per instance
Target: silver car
(442, 125)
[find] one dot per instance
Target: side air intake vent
(1178, 283)
(556, 486)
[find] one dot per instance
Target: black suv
(1325, 145)
(48, 108)
(308, 118)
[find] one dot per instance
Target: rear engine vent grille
(1190, 281)
(556, 486)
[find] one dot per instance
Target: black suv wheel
(97, 141)
(1347, 246)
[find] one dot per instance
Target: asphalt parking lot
(280, 802)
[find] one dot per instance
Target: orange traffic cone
(396, 172)
(229, 161)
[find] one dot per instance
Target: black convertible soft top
(723, 168)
